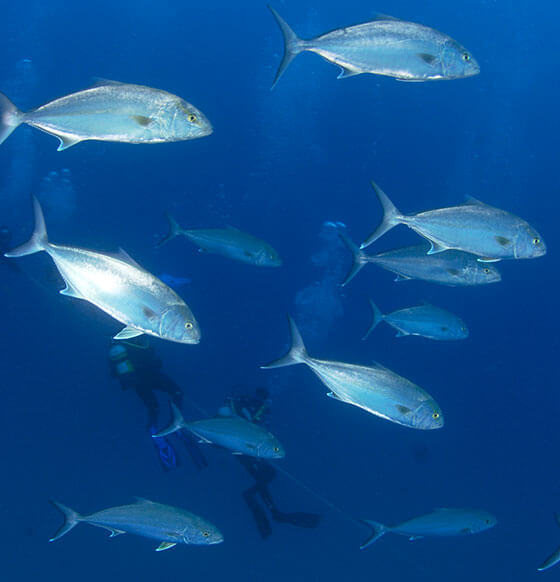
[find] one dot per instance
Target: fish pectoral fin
(412, 538)
(436, 248)
(128, 332)
(142, 120)
(69, 291)
(488, 260)
(503, 241)
(115, 532)
(403, 409)
(67, 141)
(346, 72)
(165, 546)
(428, 58)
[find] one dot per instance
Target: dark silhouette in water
(136, 366)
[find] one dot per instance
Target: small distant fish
(385, 46)
(474, 227)
(441, 522)
(110, 111)
(453, 268)
(228, 242)
(118, 286)
(554, 558)
(231, 432)
(148, 519)
(424, 320)
(372, 388)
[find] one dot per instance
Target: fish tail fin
(376, 320)
(297, 353)
(377, 530)
(391, 217)
(38, 241)
(10, 117)
(174, 230)
(177, 422)
(293, 45)
(358, 256)
(71, 520)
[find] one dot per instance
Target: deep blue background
(279, 164)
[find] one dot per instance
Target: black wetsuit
(256, 408)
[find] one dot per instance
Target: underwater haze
(292, 166)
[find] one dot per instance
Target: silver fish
(554, 558)
(424, 320)
(148, 519)
(453, 268)
(232, 432)
(441, 522)
(110, 111)
(474, 227)
(372, 388)
(118, 286)
(228, 242)
(385, 46)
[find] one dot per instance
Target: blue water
(279, 165)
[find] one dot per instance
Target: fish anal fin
(402, 278)
(69, 291)
(67, 141)
(142, 501)
(346, 72)
(128, 332)
(165, 546)
(333, 396)
(436, 248)
(100, 82)
(384, 17)
(401, 333)
(115, 532)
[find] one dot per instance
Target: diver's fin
(297, 353)
(165, 546)
(391, 217)
(128, 332)
(358, 256)
(377, 318)
(38, 241)
(377, 530)
(10, 117)
(174, 230)
(293, 45)
(71, 520)
(66, 141)
(177, 422)
(436, 247)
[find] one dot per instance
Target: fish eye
(435, 415)
(276, 449)
(188, 325)
(466, 57)
(206, 534)
(191, 117)
(536, 241)
(487, 271)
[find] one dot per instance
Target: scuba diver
(136, 366)
(256, 408)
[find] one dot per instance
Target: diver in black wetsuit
(136, 366)
(256, 408)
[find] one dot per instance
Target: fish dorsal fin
(379, 16)
(143, 501)
(472, 201)
(165, 546)
(123, 256)
(376, 364)
(101, 82)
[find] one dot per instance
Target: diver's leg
(259, 514)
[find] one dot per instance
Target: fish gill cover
(291, 167)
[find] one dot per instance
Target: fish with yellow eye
(375, 389)
(234, 433)
(111, 111)
(118, 286)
